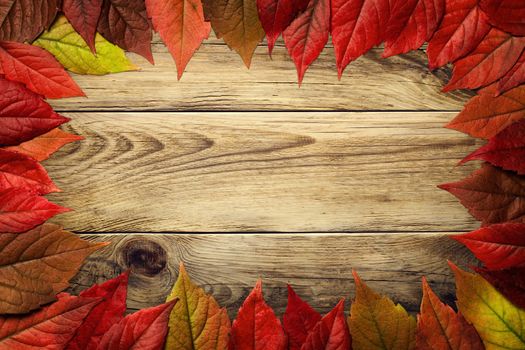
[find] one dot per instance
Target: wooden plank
(284, 172)
(217, 80)
(317, 265)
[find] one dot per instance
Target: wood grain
(253, 172)
(216, 79)
(317, 265)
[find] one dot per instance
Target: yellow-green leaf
(377, 323)
(500, 324)
(72, 51)
(196, 322)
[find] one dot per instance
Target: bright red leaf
(509, 282)
(145, 330)
(507, 15)
(307, 35)
(331, 333)
(514, 77)
(461, 30)
(298, 320)
(83, 16)
(256, 326)
(24, 114)
(103, 316)
(21, 210)
(492, 59)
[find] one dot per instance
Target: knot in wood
(144, 257)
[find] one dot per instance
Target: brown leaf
(24, 20)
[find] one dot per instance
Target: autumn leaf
(509, 282)
(298, 321)
(48, 328)
(237, 22)
(181, 26)
(24, 114)
(507, 15)
(514, 77)
(498, 322)
(71, 51)
(196, 321)
(256, 326)
(145, 330)
(506, 149)
(461, 30)
(102, 317)
(21, 171)
(485, 115)
(330, 333)
(492, 59)
(21, 210)
(42, 147)
(491, 195)
(83, 16)
(38, 264)
(440, 328)
(377, 323)
(125, 23)
(24, 20)
(307, 35)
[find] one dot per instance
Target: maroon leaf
(514, 77)
(509, 282)
(507, 15)
(83, 16)
(24, 20)
(298, 320)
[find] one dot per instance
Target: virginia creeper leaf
(498, 322)
(145, 330)
(509, 282)
(461, 30)
(24, 114)
(37, 69)
(181, 26)
(48, 328)
(377, 323)
(485, 116)
(237, 22)
(498, 246)
(491, 195)
(440, 328)
(307, 35)
(196, 321)
(38, 264)
(83, 16)
(24, 20)
(298, 321)
(256, 326)
(507, 15)
(506, 149)
(71, 51)
(102, 317)
(21, 171)
(42, 147)
(492, 59)
(125, 23)
(514, 77)
(21, 210)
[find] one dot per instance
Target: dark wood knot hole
(144, 257)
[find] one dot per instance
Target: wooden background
(241, 174)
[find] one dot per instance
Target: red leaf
(491, 195)
(357, 26)
(507, 15)
(514, 77)
(492, 59)
(24, 114)
(298, 320)
(103, 316)
(276, 16)
(331, 333)
(423, 19)
(440, 328)
(506, 149)
(24, 20)
(21, 210)
(83, 16)
(256, 326)
(145, 330)
(49, 328)
(509, 282)
(307, 35)
(21, 171)
(462, 29)
(498, 246)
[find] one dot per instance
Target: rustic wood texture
(319, 266)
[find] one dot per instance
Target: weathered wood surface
(284, 172)
(319, 266)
